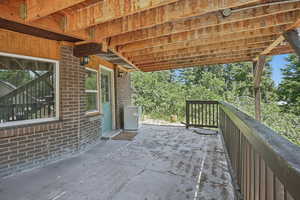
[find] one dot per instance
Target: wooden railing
(202, 114)
(265, 166)
(31, 101)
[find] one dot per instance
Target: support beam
(13, 14)
(38, 9)
(279, 40)
(87, 49)
(258, 68)
(293, 37)
(257, 96)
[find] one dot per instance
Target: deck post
(258, 68)
(187, 113)
(293, 37)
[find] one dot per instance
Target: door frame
(112, 94)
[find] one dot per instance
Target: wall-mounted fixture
(84, 60)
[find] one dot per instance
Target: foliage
(289, 88)
(15, 77)
(163, 93)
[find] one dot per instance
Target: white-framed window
(29, 91)
(92, 91)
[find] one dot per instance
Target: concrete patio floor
(161, 163)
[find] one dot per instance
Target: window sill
(27, 122)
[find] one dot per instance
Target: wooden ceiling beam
(186, 55)
(212, 19)
(211, 47)
(198, 64)
(156, 16)
(283, 49)
(217, 31)
(214, 60)
(15, 11)
(109, 11)
(38, 9)
(214, 39)
(249, 53)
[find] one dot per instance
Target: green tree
(164, 93)
(289, 88)
(15, 77)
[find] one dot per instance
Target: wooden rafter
(38, 9)
(15, 11)
(177, 48)
(109, 10)
(215, 59)
(203, 37)
(205, 63)
(203, 53)
(194, 50)
(163, 14)
(262, 13)
(228, 55)
(177, 43)
(159, 34)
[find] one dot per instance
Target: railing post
(258, 68)
(187, 113)
(257, 95)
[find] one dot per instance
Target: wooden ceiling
(164, 34)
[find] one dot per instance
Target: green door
(106, 100)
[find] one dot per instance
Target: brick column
(123, 96)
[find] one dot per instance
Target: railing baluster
(257, 176)
(263, 176)
(270, 184)
(202, 113)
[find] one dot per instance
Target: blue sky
(278, 62)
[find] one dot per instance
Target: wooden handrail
(265, 164)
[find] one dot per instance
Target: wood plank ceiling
(164, 34)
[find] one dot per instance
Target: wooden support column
(257, 95)
(258, 68)
(293, 37)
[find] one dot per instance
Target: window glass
(27, 89)
(105, 81)
(91, 91)
(91, 80)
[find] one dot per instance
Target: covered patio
(161, 163)
(76, 57)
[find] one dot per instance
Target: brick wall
(123, 96)
(30, 146)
